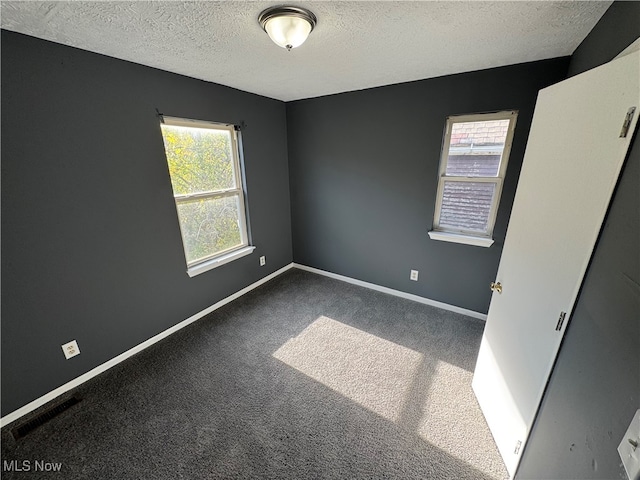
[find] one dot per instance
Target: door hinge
(560, 321)
(517, 449)
(627, 122)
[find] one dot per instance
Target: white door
(571, 165)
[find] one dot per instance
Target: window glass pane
(200, 159)
(466, 205)
(475, 148)
(473, 165)
(209, 226)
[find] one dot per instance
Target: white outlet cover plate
(414, 275)
(263, 260)
(70, 349)
(629, 454)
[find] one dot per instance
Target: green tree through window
(204, 167)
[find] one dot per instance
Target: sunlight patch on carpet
(452, 420)
(373, 372)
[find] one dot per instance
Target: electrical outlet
(70, 349)
(414, 275)
(263, 260)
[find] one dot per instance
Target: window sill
(460, 238)
(219, 261)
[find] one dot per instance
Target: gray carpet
(305, 377)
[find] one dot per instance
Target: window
(474, 160)
(204, 164)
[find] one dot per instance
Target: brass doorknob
(496, 287)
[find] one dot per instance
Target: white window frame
(468, 237)
(196, 267)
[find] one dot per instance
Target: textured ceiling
(355, 45)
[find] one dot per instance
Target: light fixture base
(282, 11)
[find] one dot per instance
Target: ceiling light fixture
(288, 27)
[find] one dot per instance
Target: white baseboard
(397, 293)
(15, 415)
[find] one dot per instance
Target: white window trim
(218, 259)
(460, 235)
(460, 238)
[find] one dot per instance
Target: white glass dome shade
(288, 27)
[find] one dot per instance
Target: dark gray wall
(91, 248)
(364, 172)
(594, 390)
(616, 30)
